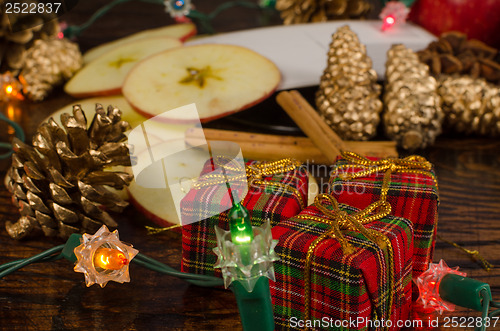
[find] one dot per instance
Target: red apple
(105, 75)
(219, 79)
(177, 31)
(478, 19)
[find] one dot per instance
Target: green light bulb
(240, 225)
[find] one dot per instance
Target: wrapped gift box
(411, 189)
(317, 282)
(272, 194)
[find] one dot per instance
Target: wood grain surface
(51, 296)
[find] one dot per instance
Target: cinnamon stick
(311, 124)
(274, 147)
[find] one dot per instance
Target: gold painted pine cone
(413, 116)
(49, 63)
(471, 106)
(15, 40)
(60, 184)
(299, 11)
(348, 95)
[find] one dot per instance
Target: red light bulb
(389, 21)
(428, 286)
(394, 13)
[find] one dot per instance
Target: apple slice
(219, 79)
(105, 75)
(149, 192)
(178, 31)
(162, 211)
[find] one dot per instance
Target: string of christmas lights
(394, 12)
(101, 258)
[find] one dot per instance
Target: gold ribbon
(155, 230)
(254, 174)
(474, 254)
(412, 164)
(340, 220)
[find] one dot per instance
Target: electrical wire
(495, 312)
(15, 265)
(204, 20)
(75, 30)
(140, 259)
(487, 303)
(195, 279)
(19, 134)
(12, 263)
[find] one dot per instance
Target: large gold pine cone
(60, 184)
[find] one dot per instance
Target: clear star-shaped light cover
(102, 257)
(260, 252)
(428, 286)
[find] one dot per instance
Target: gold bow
(411, 164)
(254, 174)
(340, 220)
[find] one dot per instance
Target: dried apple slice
(220, 79)
(153, 190)
(178, 31)
(105, 75)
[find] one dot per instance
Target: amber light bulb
(109, 259)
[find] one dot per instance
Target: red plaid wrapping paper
(343, 287)
(263, 202)
(412, 195)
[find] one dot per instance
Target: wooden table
(51, 296)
